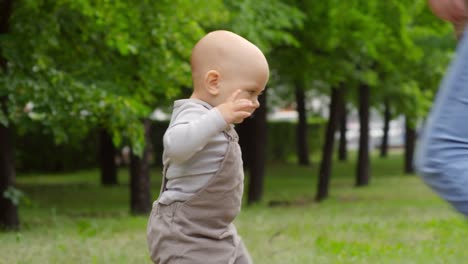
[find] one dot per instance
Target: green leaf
(14, 195)
(3, 119)
(36, 116)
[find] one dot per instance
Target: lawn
(397, 219)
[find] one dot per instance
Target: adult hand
(450, 10)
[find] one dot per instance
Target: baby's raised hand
(234, 110)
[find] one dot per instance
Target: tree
(8, 208)
(345, 58)
(252, 141)
(396, 27)
(317, 62)
(327, 152)
(427, 44)
(410, 141)
(362, 171)
(267, 25)
(343, 121)
(331, 55)
(106, 159)
(301, 131)
(356, 43)
(140, 195)
(386, 128)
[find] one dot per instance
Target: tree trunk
(252, 140)
(107, 164)
(258, 158)
(362, 173)
(410, 139)
(343, 120)
(244, 130)
(386, 128)
(327, 152)
(301, 129)
(140, 192)
(8, 210)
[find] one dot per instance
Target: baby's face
(251, 87)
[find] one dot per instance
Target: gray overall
(200, 230)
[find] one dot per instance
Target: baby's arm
(194, 128)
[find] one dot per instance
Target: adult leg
(442, 156)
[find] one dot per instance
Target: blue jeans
(442, 155)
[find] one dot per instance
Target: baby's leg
(243, 256)
(442, 156)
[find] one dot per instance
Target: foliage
(98, 63)
(397, 47)
(414, 58)
(267, 24)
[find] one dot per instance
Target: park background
(86, 88)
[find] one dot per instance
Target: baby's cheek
(245, 96)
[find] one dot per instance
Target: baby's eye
(251, 92)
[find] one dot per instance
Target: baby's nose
(256, 103)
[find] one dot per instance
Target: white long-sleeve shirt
(194, 147)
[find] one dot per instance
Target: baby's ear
(212, 79)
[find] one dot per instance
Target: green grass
(397, 219)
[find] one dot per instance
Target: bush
(282, 144)
(38, 152)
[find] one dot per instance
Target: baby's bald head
(228, 56)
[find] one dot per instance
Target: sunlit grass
(397, 219)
